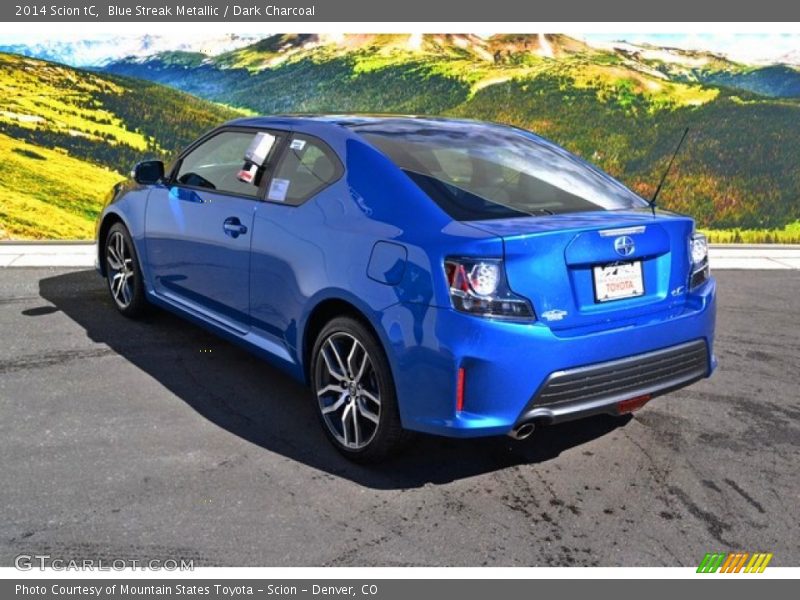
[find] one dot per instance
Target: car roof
(359, 122)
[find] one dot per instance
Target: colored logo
(734, 562)
(624, 245)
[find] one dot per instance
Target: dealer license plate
(617, 281)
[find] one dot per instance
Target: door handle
(233, 227)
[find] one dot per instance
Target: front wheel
(354, 390)
(123, 274)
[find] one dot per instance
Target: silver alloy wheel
(120, 270)
(348, 393)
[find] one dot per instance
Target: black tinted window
(478, 171)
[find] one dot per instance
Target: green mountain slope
(621, 108)
(774, 80)
(68, 135)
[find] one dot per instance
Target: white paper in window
(278, 190)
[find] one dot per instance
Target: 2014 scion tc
(452, 277)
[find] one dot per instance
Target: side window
(215, 164)
(308, 165)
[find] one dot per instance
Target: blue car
(452, 277)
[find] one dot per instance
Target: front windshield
(477, 171)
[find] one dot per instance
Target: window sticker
(297, 144)
(278, 190)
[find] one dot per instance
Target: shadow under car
(251, 399)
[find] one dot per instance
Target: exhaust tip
(523, 431)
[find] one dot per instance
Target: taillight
(478, 286)
(698, 250)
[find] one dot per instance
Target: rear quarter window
(307, 167)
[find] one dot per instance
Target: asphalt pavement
(155, 439)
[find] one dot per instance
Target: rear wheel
(354, 391)
(123, 275)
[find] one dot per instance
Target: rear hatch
(584, 269)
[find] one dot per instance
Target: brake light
(478, 286)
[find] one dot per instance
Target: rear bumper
(596, 389)
(511, 368)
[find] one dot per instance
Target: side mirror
(148, 172)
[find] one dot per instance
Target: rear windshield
(478, 171)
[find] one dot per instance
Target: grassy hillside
(47, 193)
(622, 107)
(68, 135)
(790, 234)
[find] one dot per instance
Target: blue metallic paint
(261, 288)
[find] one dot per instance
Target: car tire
(123, 273)
(354, 392)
